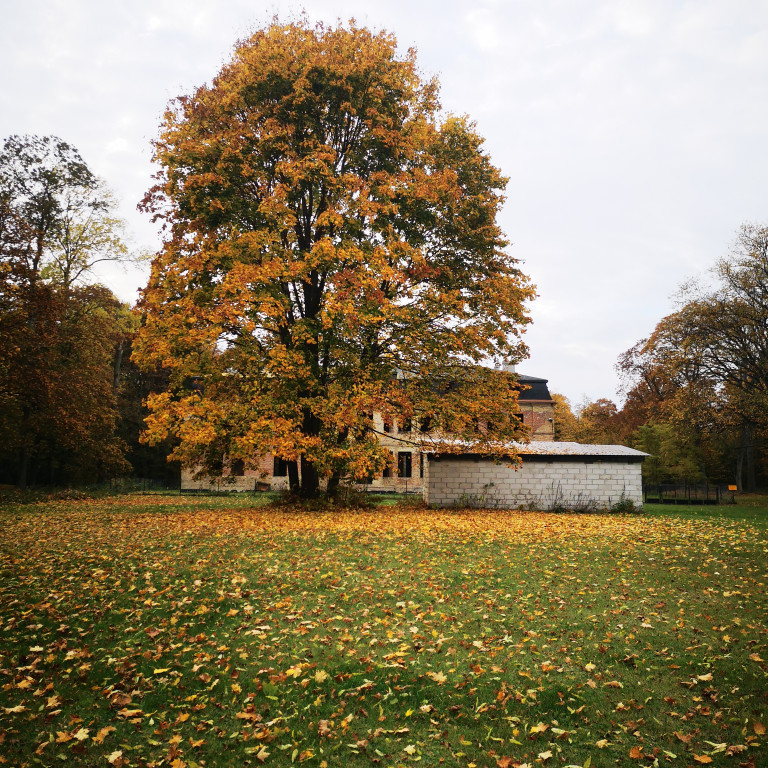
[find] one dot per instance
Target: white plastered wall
(477, 482)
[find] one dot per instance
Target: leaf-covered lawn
(179, 632)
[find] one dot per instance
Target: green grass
(216, 631)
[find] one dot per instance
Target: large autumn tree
(332, 250)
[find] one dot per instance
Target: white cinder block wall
(479, 482)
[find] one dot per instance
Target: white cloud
(632, 131)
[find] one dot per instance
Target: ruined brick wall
(540, 417)
(397, 441)
(259, 478)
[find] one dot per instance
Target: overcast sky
(633, 132)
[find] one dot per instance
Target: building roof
(543, 450)
(542, 447)
(533, 388)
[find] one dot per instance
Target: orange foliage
(330, 237)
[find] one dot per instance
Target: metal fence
(671, 493)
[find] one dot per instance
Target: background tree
(57, 336)
(598, 422)
(566, 423)
(332, 251)
(704, 369)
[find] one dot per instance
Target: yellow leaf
(410, 749)
(321, 676)
(544, 756)
(702, 758)
(102, 734)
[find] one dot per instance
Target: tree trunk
(293, 476)
(746, 460)
(26, 414)
(118, 363)
(310, 480)
(23, 468)
(333, 485)
(751, 483)
(739, 468)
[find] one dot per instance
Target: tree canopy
(331, 250)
